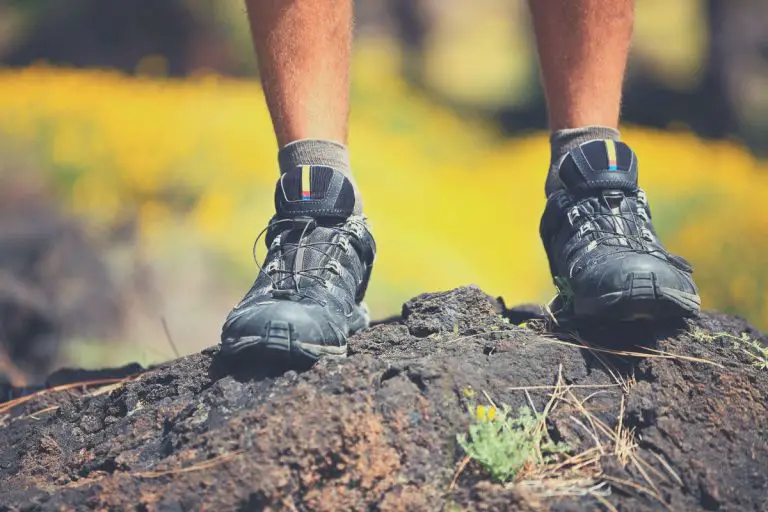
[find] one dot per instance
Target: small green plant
(700, 335)
(504, 444)
(753, 348)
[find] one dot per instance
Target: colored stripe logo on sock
(306, 187)
(610, 149)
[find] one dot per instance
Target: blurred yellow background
(451, 199)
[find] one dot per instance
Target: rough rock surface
(378, 430)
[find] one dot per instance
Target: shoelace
(332, 265)
(621, 236)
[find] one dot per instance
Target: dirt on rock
(688, 404)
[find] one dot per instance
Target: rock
(459, 311)
(378, 430)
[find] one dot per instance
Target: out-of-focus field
(450, 201)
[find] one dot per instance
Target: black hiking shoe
(307, 298)
(604, 255)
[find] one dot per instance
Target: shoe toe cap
(282, 319)
(638, 273)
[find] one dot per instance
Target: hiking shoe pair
(604, 255)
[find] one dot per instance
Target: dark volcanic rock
(378, 430)
(465, 310)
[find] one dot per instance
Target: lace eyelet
(573, 214)
(647, 234)
(355, 228)
(585, 228)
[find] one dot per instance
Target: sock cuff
(319, 152)
(314, 152)
(563, 141)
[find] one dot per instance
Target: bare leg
(609, 271)
(305, 302)
(303, 48)
(583, 47)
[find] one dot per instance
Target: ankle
(562, 141)
(319, 152)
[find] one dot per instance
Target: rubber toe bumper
(634, 288)
(285, 328)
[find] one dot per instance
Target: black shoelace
(271, 269)
(627, 234)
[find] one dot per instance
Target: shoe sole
(642, 299)
(279, 342)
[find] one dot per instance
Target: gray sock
(562, 141)
(319, 152)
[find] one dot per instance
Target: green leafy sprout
(744, 343)
(503, 444)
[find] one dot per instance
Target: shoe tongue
(599, 165)
(314, 191)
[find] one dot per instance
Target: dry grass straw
(568, 475)
(598, 352)
(104, 386)
(571, 386)
(581, 474)
(157, 474)
(571, 475)
(650, 354)
(14, 375)
(221, 459)
(622, 444)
